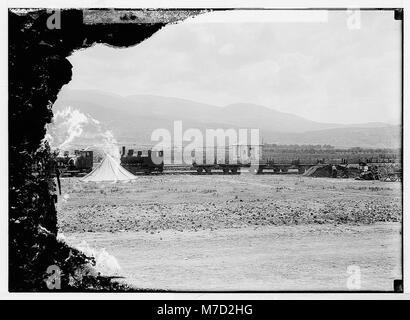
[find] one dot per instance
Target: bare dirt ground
(244, 232)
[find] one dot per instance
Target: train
(255, 158)
(77, 164)
(145, 161)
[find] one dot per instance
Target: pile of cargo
(320, 170)
(329, 170)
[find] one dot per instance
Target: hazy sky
(323, 71)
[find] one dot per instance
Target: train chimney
(123, 151)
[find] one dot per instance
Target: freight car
(228, 159)
(74, 165)
(145, 161)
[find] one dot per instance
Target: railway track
(215, 170)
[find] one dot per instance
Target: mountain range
(133, 118)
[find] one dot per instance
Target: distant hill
(132, 120)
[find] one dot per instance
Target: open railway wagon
(142, 161)
(75, 165)
(226, 159)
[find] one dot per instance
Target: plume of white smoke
(110, 145)
(70, 121)
(70, 124)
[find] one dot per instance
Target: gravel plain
(240, 232)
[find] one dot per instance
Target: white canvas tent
(108, 170)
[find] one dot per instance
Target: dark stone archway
(38, 68)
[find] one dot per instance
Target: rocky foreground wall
(39, 43)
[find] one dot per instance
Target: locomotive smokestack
(123, 151)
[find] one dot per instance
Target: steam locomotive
(77, 164)
(146, 161)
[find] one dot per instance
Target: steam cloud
(71, 127)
